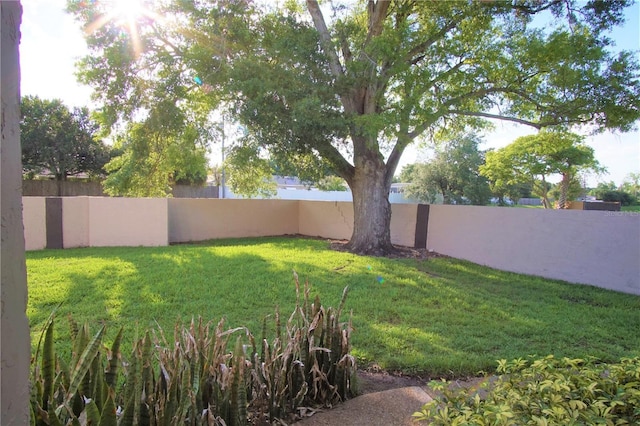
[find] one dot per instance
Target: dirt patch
(374, 380)
(377, 381)
(400, 252)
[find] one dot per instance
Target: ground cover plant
(437, 317)
(543, 392)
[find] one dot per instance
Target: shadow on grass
(439, 317)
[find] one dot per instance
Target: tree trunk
(59, 184)
(371, 209)
(564, 189)
(14, 330)
(545, 194)
(370, 178)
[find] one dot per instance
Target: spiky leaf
(84, 363)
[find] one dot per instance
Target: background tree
(406, 174)
(215, 174)
(574, 191)
(608, 191)
(357, 90)
(332, 183)
(59, 141)
(631, 185)
(538, 157)
(248, 172)
(156, 154)
(616, 196)
(511, 193)
(452, 173)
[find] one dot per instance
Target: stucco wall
(75, 222)
(35, 223)
(327, 219)
(588, 247)
(403, 224)
(128, 222)
(203, 219)
(334, 219)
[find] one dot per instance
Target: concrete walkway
(392, 407)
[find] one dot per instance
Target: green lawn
(439, 317)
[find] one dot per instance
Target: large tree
(537, 157)
(59, 141)
(358, 88)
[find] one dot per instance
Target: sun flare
(127, 14)
(129, 10)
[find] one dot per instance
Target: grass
(635, 208)
(439, 317)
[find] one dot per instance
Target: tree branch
(341, 166)
(446, 73)
(420, 48)
(325, 38)
(346, 51)
(394, 157)
(482, 92)
(404, 139)
(377, 11)
(533, 10)
(501, 117)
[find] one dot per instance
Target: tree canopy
(539, 156)
(59, 141)
(356, 89)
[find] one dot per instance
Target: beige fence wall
(34, 218)
(204, 219)
(128, 222)
(589, 247)
(98, 222)
(334, 219)
(75, 222)
(403, 224)
(328, 219)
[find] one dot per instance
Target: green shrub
(624, 198)
(546, 391)
(195, 378)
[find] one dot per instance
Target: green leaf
(91, 413)
(48, 365)
(112, 366)
(108, 416)
(84, 363)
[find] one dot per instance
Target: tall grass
(437, 317)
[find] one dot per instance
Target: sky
(52, 42)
